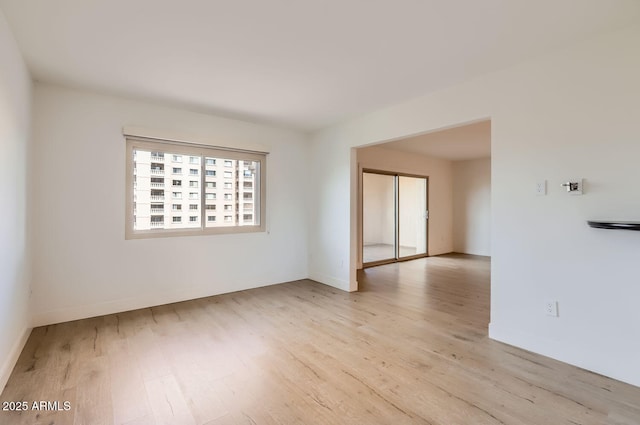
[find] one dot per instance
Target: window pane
(248, 197)
(161, 196)
(178, 186)
(238, 184)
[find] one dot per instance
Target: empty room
(336, 212)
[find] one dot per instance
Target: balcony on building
(157, 182)
(157, 157)
(157, 209)
(157, 195)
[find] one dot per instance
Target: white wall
(439, 171)
(573, 113)
(472, 206)
(84, 266)
(15, 116)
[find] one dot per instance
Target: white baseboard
(585, 357)
(341, 284)
(86, 311)
(7, 366)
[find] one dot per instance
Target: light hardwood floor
(410, 348)
(378, 252)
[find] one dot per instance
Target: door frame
(397, 175)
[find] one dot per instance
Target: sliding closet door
(378, 217)
(412, 216)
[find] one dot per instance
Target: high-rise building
(171, 190)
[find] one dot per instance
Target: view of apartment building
(176, 191)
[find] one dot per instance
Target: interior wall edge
(7, 366)
(549, 348)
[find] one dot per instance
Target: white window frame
(161, 145)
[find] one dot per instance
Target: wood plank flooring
(410, 348)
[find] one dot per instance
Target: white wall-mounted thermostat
(574, 186)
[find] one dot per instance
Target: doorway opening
(394, 217)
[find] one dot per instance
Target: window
(146, 204)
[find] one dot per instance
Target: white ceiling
(299, 63)
(470, 141)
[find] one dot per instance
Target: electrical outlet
(551, 308)
(541, 187)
